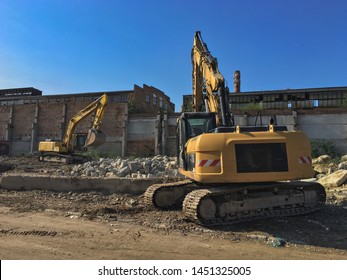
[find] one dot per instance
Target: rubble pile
(330, 173)
(156, 167)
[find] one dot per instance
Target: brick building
(28, 117)
(142, 122)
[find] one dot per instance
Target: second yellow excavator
(65, 151)
(234, 173)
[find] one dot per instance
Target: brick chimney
(237, 81)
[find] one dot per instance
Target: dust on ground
(68, 225)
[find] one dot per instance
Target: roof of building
(292, 91)
(26, 91)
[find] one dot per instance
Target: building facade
(293, 99)
(320, 112)
(142, 121)
(28, 117)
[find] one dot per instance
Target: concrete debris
(277, 242)
(138, 168)
(321, 168)
(335, 179)
(321, 159)
(343, 165)
(329, 172)
(105, 185)
(261, 237)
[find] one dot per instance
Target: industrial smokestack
(237, 81)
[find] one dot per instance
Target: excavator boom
(209, 89)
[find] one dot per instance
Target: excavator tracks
(229, 204)
(63, 158)
(225, 206)
(168, 195)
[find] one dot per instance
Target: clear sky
(72, 46)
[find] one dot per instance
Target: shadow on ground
(324, 228)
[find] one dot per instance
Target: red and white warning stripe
(305, 160)
(209, 162)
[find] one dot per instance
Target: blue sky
(71, 46)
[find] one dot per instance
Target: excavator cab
(190, 125)
(78, 140)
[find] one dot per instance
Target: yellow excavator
(234, 173)
(65, 151)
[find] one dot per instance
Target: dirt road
(52, 225)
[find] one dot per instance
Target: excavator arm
(94, 135)
(207, 80)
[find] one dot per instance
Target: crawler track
(223, 206)
(228, 204)
(168, 195)
(62, 158)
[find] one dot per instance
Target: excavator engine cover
(95, 138)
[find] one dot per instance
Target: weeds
(96, 154)
(324, 147)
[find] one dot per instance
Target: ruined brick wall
(114, 118)
(4, 115)
(150, 99)
(112, 124)
(141, 148)
(142, 134)
(51, 118)
(149, 134)
(73, 108)
(146, 134)
(171, 146)
(35, 118)
(49, 121)
(23, 116)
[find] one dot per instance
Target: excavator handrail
(98, 106)
(206, 80)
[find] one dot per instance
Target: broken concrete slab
(82, 184)
(342, 165)
(321, 159)
(335, 179)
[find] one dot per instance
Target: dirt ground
(66, 225)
